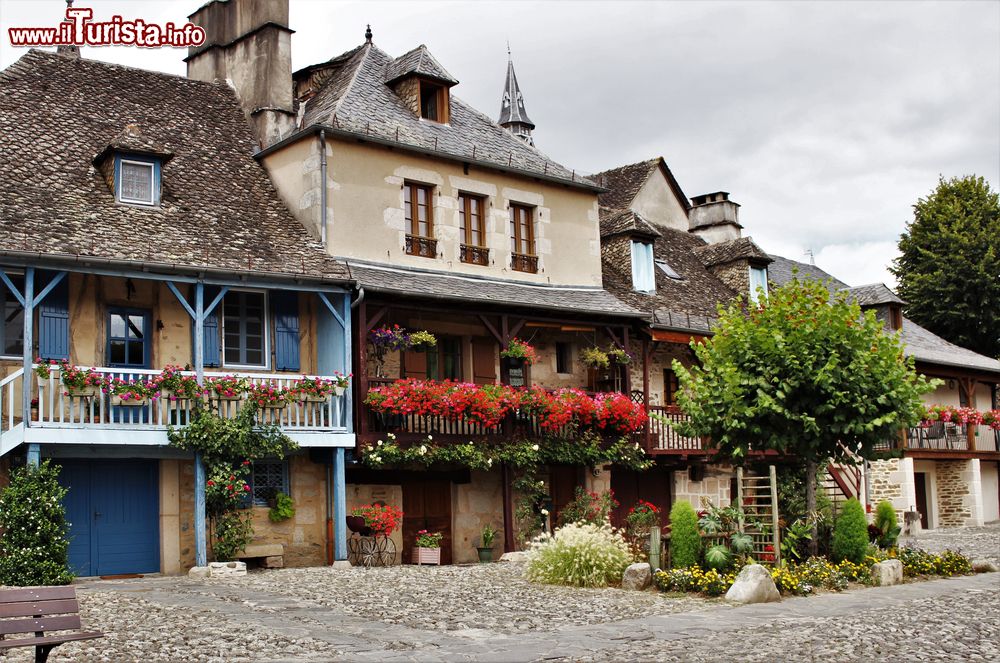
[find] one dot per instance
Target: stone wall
(475, 504)
(959, 491)
(892, 480)
(714, 486)
(735, 274)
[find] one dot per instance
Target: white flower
(489, 462)
(423, 449)
(380, 442)
(541, 483)
(376, 458)
(430, 437)
(534, 447)
(545, 512)
(391, 436)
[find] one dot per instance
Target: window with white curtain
(758, 279)
(643, 278)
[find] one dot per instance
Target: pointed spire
(513, 117)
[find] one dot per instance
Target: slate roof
(724, 252)
(468, 289)
(614, 222)
(419, 61)
(921, 343)
(623, 183)
(512, 105)
(874, 294)
(686, 304)
(356, 100)
(219, 209)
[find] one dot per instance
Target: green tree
(34, 549)
(804, 375)
(850, 533)
(949, 267)
(685, 541)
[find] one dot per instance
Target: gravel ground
(976, 542)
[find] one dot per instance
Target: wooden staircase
(842, 482)
(758, 500)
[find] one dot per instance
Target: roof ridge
(365, 50)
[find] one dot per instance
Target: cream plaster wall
(366, 217)
(990, 481)
(657, 203)
(170, 517)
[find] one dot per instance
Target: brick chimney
(248, 45)
(715, 218)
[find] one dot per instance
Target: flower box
(223, 397)
(427, 556)
(311, 398)
(131, 402)
(275, 405)
(88, 391)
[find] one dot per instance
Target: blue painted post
(200, 544)
(348, 366)
(29, 327)
(339, 507)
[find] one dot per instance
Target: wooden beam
(374, 320)
(675, 337)
(516, 328)
(490, 328)
(508, 509)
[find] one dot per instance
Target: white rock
(637, 576)
(984, 566)
(753, 585)
(198, 572)
(889, 572)
(517, 556)
(226, 569)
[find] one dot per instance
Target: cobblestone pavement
(488, 612)
(976, 542)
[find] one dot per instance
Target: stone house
(137, 232)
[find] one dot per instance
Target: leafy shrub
(694, 579)
(795, 540)
(741, 542)
(34, 549)
(579, 554)
(819, 572)
(233, 532)
(886, 525)
(718, 557)
(850, 533)
(283, 509)
(685, 541)
(917, 562)
(588, 507)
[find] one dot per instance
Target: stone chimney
(715, 218)
(248, 45)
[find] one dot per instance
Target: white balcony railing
(56, 408)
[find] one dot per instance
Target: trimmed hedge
(685, 541)
(850, 533)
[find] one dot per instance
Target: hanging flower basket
(594, 358)
(619, 356)
(520, 351)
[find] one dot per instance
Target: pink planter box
(427, 556)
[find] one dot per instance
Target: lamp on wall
(951, 384)
(129, 289)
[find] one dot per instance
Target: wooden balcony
(58, 417)
(943, 440)
(665, 439)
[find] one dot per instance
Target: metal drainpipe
(360, 298)
(322, 194)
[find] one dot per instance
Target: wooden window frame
(522, 261)
(265, 330)
(472, 253)
(443, 103)
(417, 244)
(671, 385)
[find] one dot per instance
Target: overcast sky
(825, 121)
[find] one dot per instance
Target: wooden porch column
(628, 367)
(508, 509)
(969, 386)
(361, 370)
(200, 542)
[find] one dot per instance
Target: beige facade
(366, 218)
(656, 202)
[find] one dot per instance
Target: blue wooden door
(113, 509)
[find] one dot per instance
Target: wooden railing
(56, 408)
(945, 437)
(664, 437)
(10, 400)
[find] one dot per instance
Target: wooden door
(563, 481)
(920, 479)
(484, 361)
(629, 486)
(414, 365)
(426, 505)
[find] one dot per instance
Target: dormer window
(643, 277)
(758, 280)
(433, 102)
(136, 182)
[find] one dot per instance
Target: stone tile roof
(471, 289)
(874, 294)
(419, 61)
(725, 252)
(356, 100)
(614, 222)
(219, 209)
(696, 294)
(920, 343)
(512, 105)
(623, 183)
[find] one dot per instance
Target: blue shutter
(285, 307)
(53, 322)
(210, 352)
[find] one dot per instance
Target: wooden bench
(47, 609)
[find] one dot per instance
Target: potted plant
(377, 518)
(79, 382)
(519, 353)
(226, 388)
(427, 549)
(314, 390)
(283, 508)
(176, 386)
(385, 339)
(642, 517)
(422, 341)
(269, 395)
(341, 382)
(132, 393)
(594, 358)
(486, 538)
(619, 356)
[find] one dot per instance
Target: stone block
(198, 572)
(274, 562)
(263, 550)
(637, 577)
(226, 569)
(985, 566)
(516, 556)
(889, 572)
(753, 585)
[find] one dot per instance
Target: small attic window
(433, 101)
(664, 267)
(137, 180)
